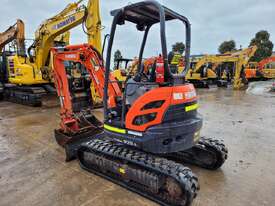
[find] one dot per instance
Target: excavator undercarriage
(25, 95)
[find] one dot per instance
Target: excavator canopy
(145, 13)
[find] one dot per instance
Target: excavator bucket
(71, 142)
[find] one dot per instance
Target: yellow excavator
(15, 33)
(29, 78)
(210, 67)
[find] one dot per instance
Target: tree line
(261, 40)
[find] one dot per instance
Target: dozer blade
(72, 142)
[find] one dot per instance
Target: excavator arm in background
(15, 32)
(266, 61)
(243, 58)
(73, 15)
(93, 25)
(266, 69)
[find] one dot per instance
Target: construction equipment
(252, 71)
(120, 73)
(146, 128)
(210, 67)
(243, 56)
(30, 77)
(201, 71)
(15, 32)
(267, 67)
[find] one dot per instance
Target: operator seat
(136, 86)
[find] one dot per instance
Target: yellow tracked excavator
(217, 68)
(15, 32)
(29, 77)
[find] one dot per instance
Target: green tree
(265, 46)
(227, 46)
(178, 47)
(117, 55)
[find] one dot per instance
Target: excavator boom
(93, 25)
(73, 15)
(15, 32)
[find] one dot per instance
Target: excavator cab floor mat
(72, 143)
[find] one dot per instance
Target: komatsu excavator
(15, 32)
(149, 130)
(29, 77)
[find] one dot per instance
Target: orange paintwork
(250, 73)
(171, 96)
(87, 56)
(266, 61)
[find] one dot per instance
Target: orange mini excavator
(149, 130)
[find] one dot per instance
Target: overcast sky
(213, 21)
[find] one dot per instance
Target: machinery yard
(33, 171)
(138, 103)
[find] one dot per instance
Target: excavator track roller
(208, 153)
(159, 179)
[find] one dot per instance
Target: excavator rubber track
(156, 178)
(26, 95)
(208, 153)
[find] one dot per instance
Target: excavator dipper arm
(74, 84)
